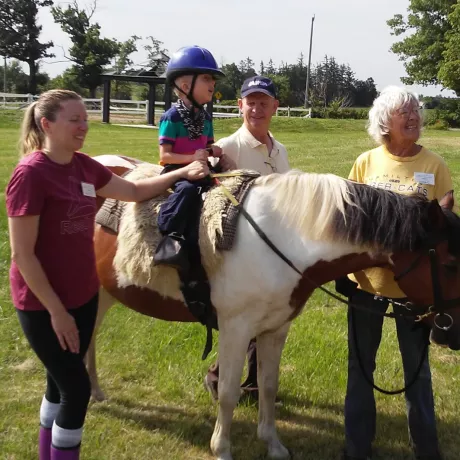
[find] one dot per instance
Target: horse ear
(435, 215)
(447, 201)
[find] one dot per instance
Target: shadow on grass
(307, 436)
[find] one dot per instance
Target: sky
(353, 31)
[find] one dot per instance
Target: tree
(246, 68)
(19, 35)
(262, 68)
(18, 82)
(364, 92)
(428, 52)
(68, 80)
(270, 69)
(230, 85)
(122, 90)
(283, 90)
(122, 60)
(449, 69)
(89, 52)
(158, 57)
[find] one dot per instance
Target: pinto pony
(326, 227)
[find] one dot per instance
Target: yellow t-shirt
(425, 173)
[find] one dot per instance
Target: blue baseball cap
(258, 84)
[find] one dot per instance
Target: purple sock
(65, 454)
(44, 443)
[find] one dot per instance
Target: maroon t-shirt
(64, 247)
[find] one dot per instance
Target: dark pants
(67, 379)
(251, 381)
(180, 212)
(360, 411)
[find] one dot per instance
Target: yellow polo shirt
(249, 153)
(425, 173)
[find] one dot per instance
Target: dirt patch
(29, 364)
(122, 118)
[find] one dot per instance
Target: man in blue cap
(252, 147)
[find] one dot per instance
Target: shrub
(440, 125)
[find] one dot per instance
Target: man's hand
(216, 151)
(227, 163)
(201, 155)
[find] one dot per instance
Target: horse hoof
(98, 395)
(279, 453)
(210, 385)
(224, 457)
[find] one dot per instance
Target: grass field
(152, 372)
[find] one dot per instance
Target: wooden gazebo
(152, 76)
(148, 76)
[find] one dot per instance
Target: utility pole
(4, 74)
(307, 84)
(4, 80)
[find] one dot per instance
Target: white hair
(391, 99)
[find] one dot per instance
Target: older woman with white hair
(401, 165)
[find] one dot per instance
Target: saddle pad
(138, 234)
(109, 215)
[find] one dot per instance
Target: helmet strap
(189, 95)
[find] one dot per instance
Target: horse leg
(234, 337)
(105, 302)
(269, 348)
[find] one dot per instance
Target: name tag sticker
(424, 178)
(88, 189)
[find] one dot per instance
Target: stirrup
(171, 252)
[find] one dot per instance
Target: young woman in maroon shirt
(51, 204)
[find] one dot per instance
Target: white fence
(127, 107)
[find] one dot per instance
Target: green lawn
(152, 372)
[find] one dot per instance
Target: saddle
(138, 238)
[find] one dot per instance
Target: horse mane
(328, 207)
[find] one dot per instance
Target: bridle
(415, 312)
(442, 320)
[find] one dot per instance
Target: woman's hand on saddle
(196, 170)
(226, 163)
(201, 155)
(66, 331)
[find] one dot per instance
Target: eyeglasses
(270, 161)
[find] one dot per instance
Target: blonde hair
(179, 81)
(391, 99)
(47, 106)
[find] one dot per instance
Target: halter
(439, 305)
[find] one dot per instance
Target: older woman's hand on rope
(195, 171)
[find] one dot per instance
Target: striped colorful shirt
(172, 131)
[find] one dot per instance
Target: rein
(438, 307)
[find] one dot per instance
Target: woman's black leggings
(67, 379)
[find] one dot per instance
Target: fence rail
(128, 107)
